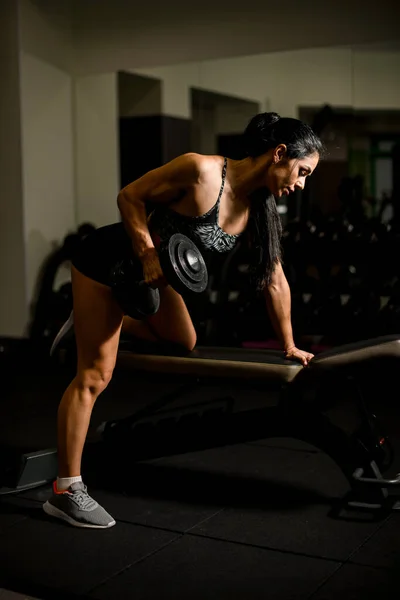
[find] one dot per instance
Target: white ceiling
(160, 32)
(230, 27)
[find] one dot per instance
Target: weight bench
(302, 410)
(262, 365)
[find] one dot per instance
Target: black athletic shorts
(99, 252)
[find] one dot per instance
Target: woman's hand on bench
(299, 355)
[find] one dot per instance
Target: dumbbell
(183, 267)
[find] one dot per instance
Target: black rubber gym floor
(249, 521)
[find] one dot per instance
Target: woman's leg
(172, 322)
(97, 322)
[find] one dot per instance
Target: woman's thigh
(97, 324)
(172, 322)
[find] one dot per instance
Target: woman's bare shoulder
(207, 164)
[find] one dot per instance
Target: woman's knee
(93, 381)
(187, 341)
(186, 337)
(191, 342)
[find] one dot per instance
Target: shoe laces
(82, 498)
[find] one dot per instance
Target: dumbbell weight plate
(183, 264)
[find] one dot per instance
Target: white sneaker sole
(59, 514)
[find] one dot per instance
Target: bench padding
(216, 362)
(254, 364)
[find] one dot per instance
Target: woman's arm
(163, 184)
(278, 299)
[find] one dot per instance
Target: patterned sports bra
(203, 229)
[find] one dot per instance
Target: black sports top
(204, 230)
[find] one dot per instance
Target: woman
(214, 201)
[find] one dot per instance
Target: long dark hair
(266, 131)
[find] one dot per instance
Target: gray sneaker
(77, 508)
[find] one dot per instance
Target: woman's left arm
(278, 299)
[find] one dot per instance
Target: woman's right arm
(163, 184)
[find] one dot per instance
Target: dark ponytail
(264, 234)
(266, 131)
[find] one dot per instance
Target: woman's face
(285, 175)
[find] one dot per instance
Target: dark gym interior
(231, 472)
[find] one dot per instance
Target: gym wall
(95, 130)
(284, 81)
(47, 165)
(13, 311)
